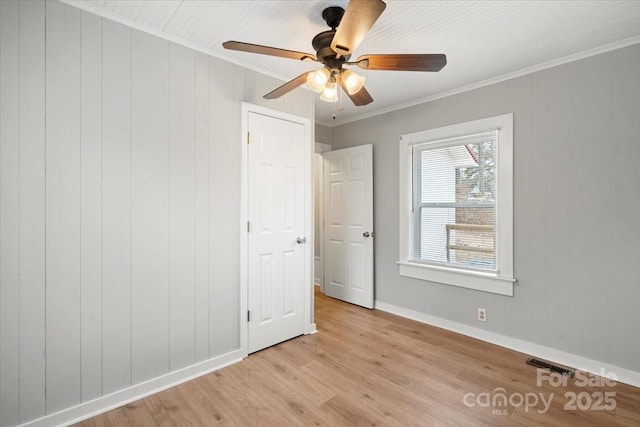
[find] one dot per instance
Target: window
(456, 212)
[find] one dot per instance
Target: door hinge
(248, 316)
(248, 137)
(248, 226)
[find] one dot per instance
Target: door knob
(301, 240)
(367, 234)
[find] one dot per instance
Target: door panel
(348, 204)
(277, 170)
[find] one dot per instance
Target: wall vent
(551, 367)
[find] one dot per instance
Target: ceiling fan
(334, 49)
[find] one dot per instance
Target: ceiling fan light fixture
(330, 92)
(352, 81)
(333, 50)
(318, 79)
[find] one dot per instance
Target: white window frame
(498, 282)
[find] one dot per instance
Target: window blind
(454, 201)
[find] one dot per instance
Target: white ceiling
(485, 41)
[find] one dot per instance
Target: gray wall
(323, 134)
(577, 207)
(119, 190)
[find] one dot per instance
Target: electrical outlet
(482, 314)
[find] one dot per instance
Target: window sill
(485, 282)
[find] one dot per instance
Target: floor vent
(551, 367)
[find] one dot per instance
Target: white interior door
(278, 171)
(348, 224)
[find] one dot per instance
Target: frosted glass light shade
(352, 82)
(318, 79)
(330, 92)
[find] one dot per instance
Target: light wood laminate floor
(367, 367)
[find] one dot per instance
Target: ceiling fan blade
(403, 62)
(288, 86)
(267, 50)
(359, 98)
(355, 24)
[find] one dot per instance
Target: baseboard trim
(313, 329)
(568, 359)
(119, 398)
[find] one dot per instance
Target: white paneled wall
(91, 206)
(116, 195)
(62, 215)
(119, 189)
(32, 204)
(182, 206)
(150, 204)
(21, 220)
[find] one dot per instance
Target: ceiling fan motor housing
(322, 45)
(322, 42)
